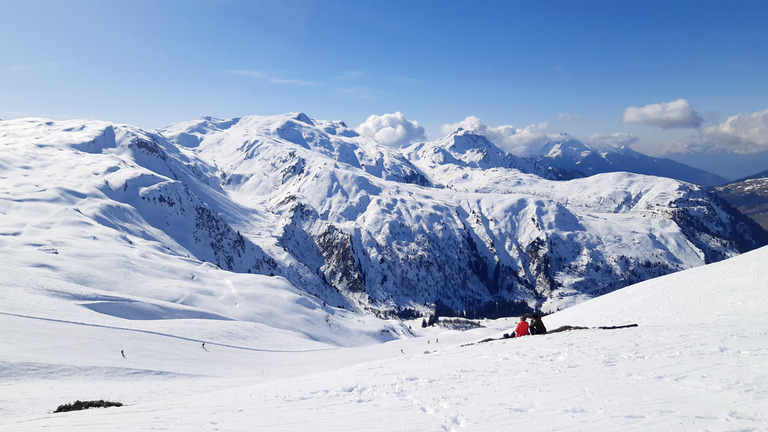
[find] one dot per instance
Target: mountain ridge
(572, 154)
(749, 196)
(471, 149)
(352, 223)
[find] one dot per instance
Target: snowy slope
(82, 207)
(696, 361)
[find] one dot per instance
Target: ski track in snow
(208, 343)
(710, 376)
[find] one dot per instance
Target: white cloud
(520, 142)
(612, 141)
(741, 133)
(391, 129)
(666, 115)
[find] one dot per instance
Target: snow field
(628, 379)
(697, 361)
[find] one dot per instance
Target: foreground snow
(697, 361)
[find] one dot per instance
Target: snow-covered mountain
(571, 154)
(469, 149)
(336, 219)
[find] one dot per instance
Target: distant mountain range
(470, 149)
(749, 195)
(760, 175)
(571, 154)
(455, 222)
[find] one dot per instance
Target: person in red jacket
(522, 328)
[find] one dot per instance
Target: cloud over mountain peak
(666, 115)
(393, 130)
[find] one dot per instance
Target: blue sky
(564, 66)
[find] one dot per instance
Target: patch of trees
(488, 310)
(407, 313)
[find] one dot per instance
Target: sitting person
(537, 326)
(522, 328)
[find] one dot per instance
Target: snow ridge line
(161, 334)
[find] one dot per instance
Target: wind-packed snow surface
(338, 218)
(698, 360)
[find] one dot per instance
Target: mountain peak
(465, 140)
(567, 147)
(462, 147)
(300, 116)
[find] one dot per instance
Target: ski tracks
(383, 397)
(444, 409)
